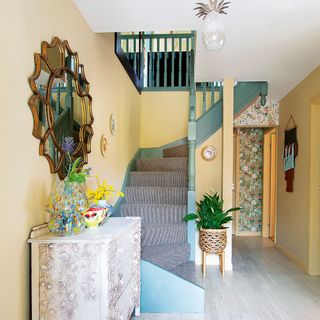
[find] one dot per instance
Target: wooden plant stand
(221, 260)
(213, 241)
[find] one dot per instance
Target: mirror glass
(61, 104)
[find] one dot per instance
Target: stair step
(156, 234)
(156, 213)
(163, 164)
(156, 195)
(167, 257)
(186, 271)
(175, 152)
(159, 178)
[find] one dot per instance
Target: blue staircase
(160, 182)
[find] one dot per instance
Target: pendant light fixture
(213, 35)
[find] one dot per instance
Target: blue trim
(157, 152)
(211, 121)
(246, 92)
(164, 292)
(153, 89)
(192, 225)
(131, 167)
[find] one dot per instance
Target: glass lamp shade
(213, 35)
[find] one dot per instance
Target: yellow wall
(208, 178)
(209, 173)
(25, 177)
(293, 208)
(164, 118)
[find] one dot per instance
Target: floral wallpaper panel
(251, 183)
(257, 115)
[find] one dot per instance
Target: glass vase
(66, 203)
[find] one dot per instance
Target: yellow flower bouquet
(103, 191)
(100, 210)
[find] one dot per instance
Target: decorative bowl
(96, 216)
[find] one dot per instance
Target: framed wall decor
(208, 153)
(104, 145)
(113, 124)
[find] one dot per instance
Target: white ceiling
(273, 40)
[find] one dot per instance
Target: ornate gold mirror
(61, 104)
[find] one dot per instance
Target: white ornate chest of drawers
(91, 276)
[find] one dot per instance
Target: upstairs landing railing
(159, 61)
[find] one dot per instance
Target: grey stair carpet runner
(158, 194)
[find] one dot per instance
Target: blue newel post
(192, 137)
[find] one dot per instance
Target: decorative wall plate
(104, 145)
(208, 153)
(113, 124)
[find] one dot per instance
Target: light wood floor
(264, 285)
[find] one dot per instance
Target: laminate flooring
(264, 285)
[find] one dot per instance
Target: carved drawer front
(91, 276)
(69, 281)
(123, 262)
(129, 299)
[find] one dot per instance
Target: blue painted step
(159, 178)
(156, 234)
(167, 256)
(155, 213)
(156, 195)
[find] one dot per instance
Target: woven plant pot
(213, 240)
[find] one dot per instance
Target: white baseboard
(248, 234)
(292, 258)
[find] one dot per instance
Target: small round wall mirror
(61, 104)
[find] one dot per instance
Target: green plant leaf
(75, 164)
(210, 213)
(190, 217)
(233, 209)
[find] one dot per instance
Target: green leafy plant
(210, 213)
(74, 173)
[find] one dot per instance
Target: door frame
(314, 202)
(269, 133)
(269, 200)
(236, 183)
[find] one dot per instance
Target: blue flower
(68, 145)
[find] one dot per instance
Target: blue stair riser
(163, 164)
(167, 256)
(155, 213)
(158, 179)
(156, 234)
(156, 195)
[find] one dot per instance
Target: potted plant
(210, 219)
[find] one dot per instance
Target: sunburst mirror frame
(44, 121)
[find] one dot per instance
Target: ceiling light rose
(213, 35)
